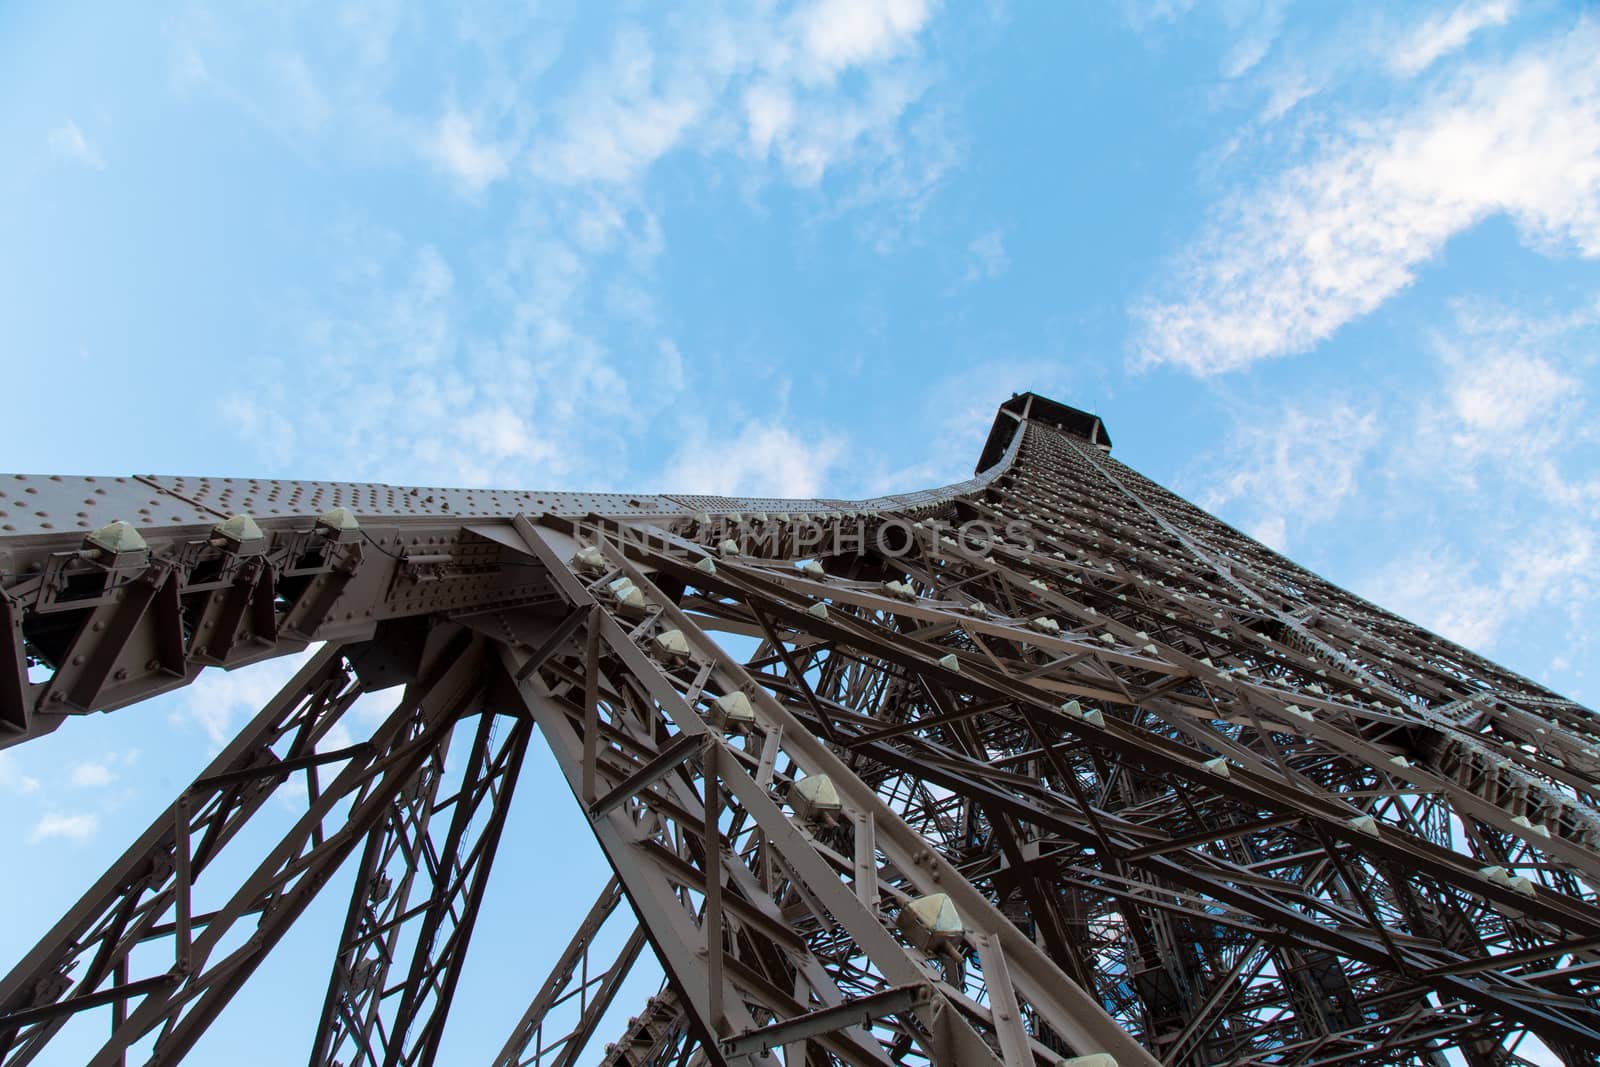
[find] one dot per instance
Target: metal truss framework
(1123, 784)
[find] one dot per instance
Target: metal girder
(579, 983)
(861, 1011)
(673, 686)
(1188, 802)
(661, 860)
(379, 903)
(366, 1018)
(652, 1036)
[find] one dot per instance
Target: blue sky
(1331, 271)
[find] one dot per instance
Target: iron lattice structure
(1127, 786)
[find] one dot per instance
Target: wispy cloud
(302, 90)
(631, 112)
(1468, 502)
(814, 88)
(1440, 35)
(759, 458)
(12, 777)
(1144, 15)
(1495, 476)
(955, 412)
(79, 826)
(92, 774)
(218, 701)
(1257, 26)
(1474, 601)
(1283, 265)
(843, 33)
(987, 257)
(1292, 468)
(1252, 27)
(454, 145)
(1512, 407)
(538, 354)
(503, 380)
(68, 143)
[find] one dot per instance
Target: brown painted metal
(1191, 803)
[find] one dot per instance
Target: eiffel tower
(1046, 767)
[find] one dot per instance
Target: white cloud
(1272, 531)
(671, 364)
(72, 827)
(823, 135)
(1475, 601)
(372, 708)
(1505, 392)
(769, 111)
(309, 106)
(956, 411)
(220, 701)
(988, 257)
(12, 778)
(551, 336)
(1257, 26)
(499, 380)
(1442, 34)
(760, 459)
(498, 434)
(845, 33)
(1284, 265)
(1469, 489)
(474, 162)
(816, 88)
(1511, 403)
(1292, 467)
(91, 775)
(68, 142)
(630, 114)
(1144, 15)
(1252, 26)
(538, 355)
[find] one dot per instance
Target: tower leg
(365, 1019)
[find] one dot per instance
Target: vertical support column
(367, 1019)
(463, 872)
(712, 921)
(591, 706)
(379, 900)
